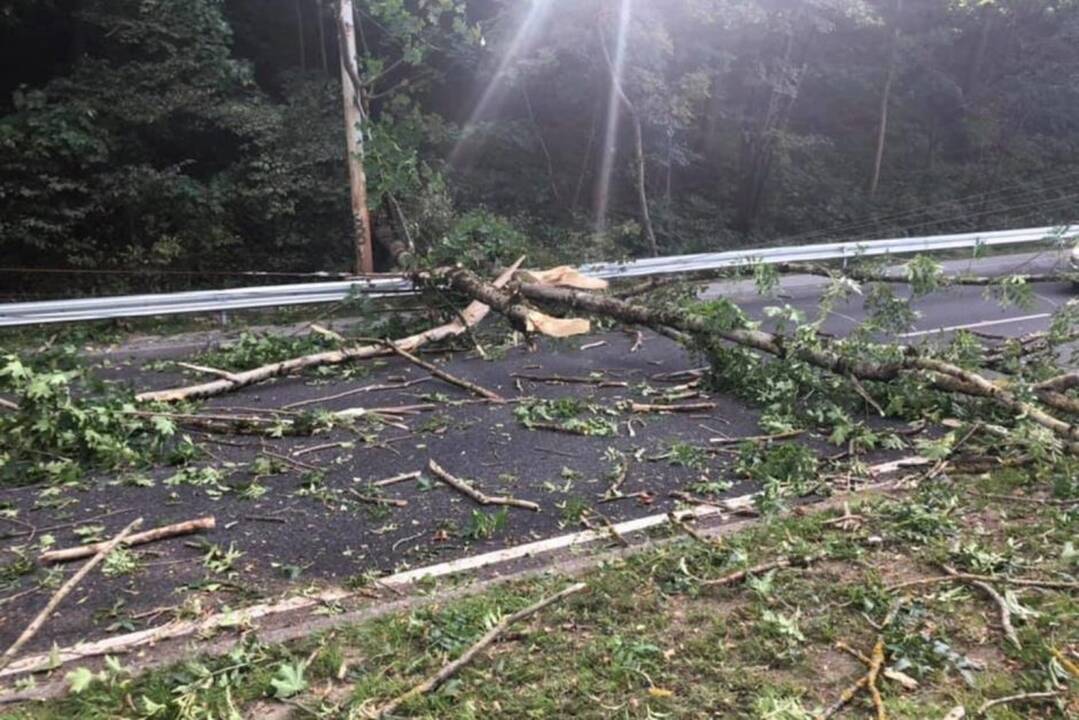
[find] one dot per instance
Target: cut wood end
(557, 327)
(566, 276)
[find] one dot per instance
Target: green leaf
(80, 679)
(289, 680)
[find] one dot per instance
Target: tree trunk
(585, 159)
(322, 38)
(977, 60)
(642, 191)
(885, 98)
(638, 147)
(351, 89)
(300, 35)
(542, 143)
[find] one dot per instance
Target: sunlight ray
(610, 133)
(526, 32)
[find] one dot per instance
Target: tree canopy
(206, 135)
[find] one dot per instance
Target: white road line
(623, 528)
(971, 326)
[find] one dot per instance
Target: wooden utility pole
(354, 117)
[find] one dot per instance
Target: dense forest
(172, 142)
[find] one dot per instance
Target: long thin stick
(443, 375)
(661, 408)
(571, 380)
(739, 576)
(64, 591)
(1023, 697)
(450, 669)
(1002, 604)
(464, 488)
(356, 391)
(756, 438)
(398, 478)
(184, 528)
(968, 577)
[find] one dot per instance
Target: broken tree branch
(445, 376)
(99, 554)
(465, 489)
(168, 531)
(450, 669)
(473, 314)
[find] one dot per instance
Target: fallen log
(149, 536)
(472, 315)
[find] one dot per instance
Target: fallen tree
(531, 320)
(878, 362)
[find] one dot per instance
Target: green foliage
(479, 239)
(62, 428)
(483, 526)
(569, 413)
(252, 350)
(782, 470)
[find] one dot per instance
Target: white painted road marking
(971, 326)
(547, 545)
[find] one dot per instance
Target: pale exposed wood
(398, 478)
(756, 438)
(231, 377)
(100, 552)
(1022, 697)
(667, 408)
(161, 533)
(452, 668)
(472, 314)
(465, 489)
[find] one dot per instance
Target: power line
(1054, 182)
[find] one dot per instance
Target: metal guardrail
(53, 311)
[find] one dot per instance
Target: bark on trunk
(351, 91)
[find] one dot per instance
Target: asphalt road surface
(303, 523)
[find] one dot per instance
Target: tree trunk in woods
(351, 90)
(885, 98)
(586, 158)
(642, 190)
(556, 195)
(322, 37)
(638, 147)
(758, 144)
(300, 35)
(977, 60)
